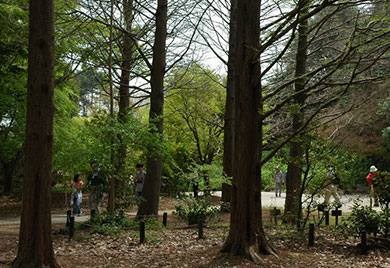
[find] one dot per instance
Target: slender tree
(294, 171)
(151, 191)
(35, 239)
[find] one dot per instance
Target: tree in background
(35, 240)
(151, 190)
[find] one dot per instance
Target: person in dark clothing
(96, 180)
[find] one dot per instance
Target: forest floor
(178, 245)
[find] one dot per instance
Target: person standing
(139, 180)
(77, 196)
(278, 177)
(372, 179)
(96, 180)
(332, 179)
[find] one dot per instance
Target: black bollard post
(142, 232)
(93, 214)
(165, 216)
(71, 227)
(200, 229)
(68, 215)
(311, 234)
(326, 217)
(363, 235)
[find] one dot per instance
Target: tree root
(254, 256)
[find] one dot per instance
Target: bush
(385, 222)
(193, 210)
(361, 218)
(383, 189)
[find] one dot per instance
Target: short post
(71, 227)
(275, 212)
(142, 232)
(363, 235)
(68, 215)
(93, 213)
(326, 212)
(165, 216)
(311, 234)
(200, 229)
(336, 213)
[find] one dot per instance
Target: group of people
(331, 184)
(96, 180)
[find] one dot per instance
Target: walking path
(268, 199)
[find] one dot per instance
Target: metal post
(142, 232)
(68, 215)
(93, 213)
(311, 234)
(200, 229)
(326, 217)
(71, 227)
(363, 235)
(165, 216)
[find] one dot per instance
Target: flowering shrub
(194, 210)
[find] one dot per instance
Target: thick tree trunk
(294, 172)
(35, 240)
(246, 236)
(228, 138)
(151, 190)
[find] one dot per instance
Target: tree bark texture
(246, 235)
(294, 171)
(152, 186)
(124, 98)
(35, 239)
(228, 138)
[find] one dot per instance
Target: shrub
(361, 218)
(193, 210)
(385, 222)
(383, 189)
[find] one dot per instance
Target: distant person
(279, 181)
(139, 180)
(332, 181)
(96, 179)
(77, 196)
(372, 179)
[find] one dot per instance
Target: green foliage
(110, 224)
(383, 189)
(361, 218)
(194, 210)
(385, 221)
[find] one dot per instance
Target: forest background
(351, 134)
(132, 85)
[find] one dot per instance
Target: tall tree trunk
(246, 235)
(151, 190)
(124, 97)
(294, 171)
(35, 239)
(111, 194)
(228, 138)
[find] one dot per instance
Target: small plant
(361, 218)
(385, 222)
(383, 189)
(194, 210)
(110, 224)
